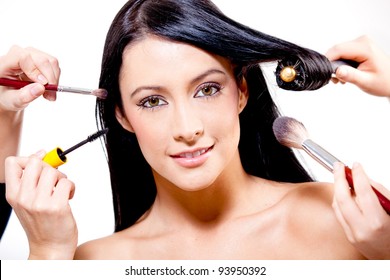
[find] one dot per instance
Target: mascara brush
(17, 84)
(293, 134)
(57, 156)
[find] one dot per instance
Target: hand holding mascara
(57, 156)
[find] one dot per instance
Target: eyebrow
(205, 74)
(193, 81)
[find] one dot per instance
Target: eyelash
(143, 102)
(214, 86)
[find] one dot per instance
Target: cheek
(225, 120)
(151, 133)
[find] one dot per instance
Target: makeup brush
(293, 134)
(57, 156)
(99, 93)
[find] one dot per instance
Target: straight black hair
(201, 24)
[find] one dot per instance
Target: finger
(32, 65)
(339, 215)
(50, 95)
(18, 61)
(382, 189)
(64, 191)
(343, 196)
(39, 66)
(42, 66)
(365, 196)
(21, 98)
(47, 182)
(355, 50)
(40, 154)
(29, 182)
(352, 75)
(13, 173)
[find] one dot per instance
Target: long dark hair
(199, 23)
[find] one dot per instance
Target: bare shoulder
(106, 248)
(314, 192)
(313, 201)
(313, 218)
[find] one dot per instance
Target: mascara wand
(57, 156)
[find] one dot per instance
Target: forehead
(157, 56)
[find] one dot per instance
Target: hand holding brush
(292, 133)
(17, 84)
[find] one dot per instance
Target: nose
(187, 126)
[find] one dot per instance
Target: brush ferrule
(319, 154)
(74, 90)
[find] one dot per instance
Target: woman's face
(183, 105)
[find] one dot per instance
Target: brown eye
(152, 102)
(208, 90)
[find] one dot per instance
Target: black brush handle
(340, 62)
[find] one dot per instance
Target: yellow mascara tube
(56, 157)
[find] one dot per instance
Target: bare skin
(279, 221)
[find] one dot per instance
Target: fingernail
(36, 90)
(40, 153)
(342, 72)
(355, 165)
(42, 79)
(50, 97)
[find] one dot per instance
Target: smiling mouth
(194, 154)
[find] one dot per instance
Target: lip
(192, 158)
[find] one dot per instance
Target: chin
(188, 180)
(190, 185)
(193, 188)
(193, 184)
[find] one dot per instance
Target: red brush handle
(384, 201)
(19, 84)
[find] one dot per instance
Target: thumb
(29, 93)
(15, 100)
(351, 75)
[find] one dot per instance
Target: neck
(222, 200)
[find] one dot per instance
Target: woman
(195, 169)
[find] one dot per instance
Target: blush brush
(17, 84)
(293, 134)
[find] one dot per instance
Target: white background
(350, 124)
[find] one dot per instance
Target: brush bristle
(97, 135)
(100, 93)
(289, 132)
